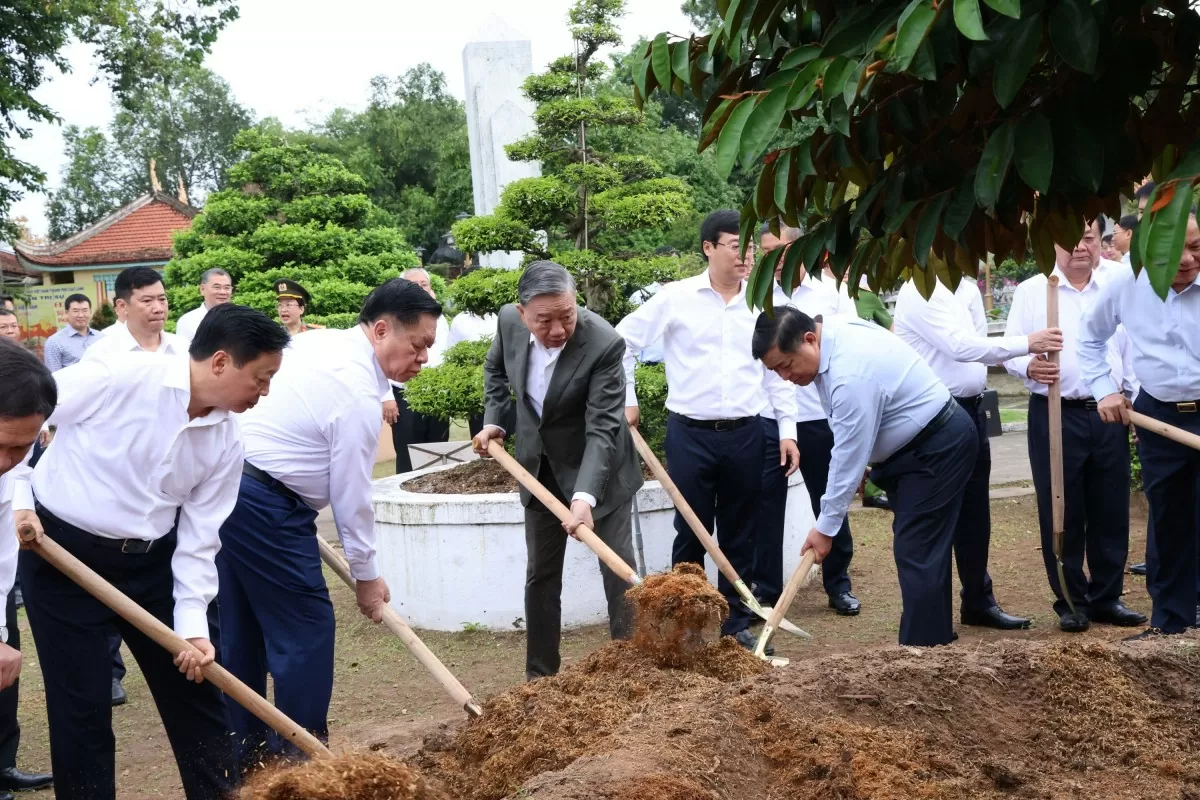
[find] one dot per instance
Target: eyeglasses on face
(735, 248)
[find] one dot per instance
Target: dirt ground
(474, 477)
(384, 701)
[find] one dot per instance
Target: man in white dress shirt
(140, 293)
(28, 398)
(216, 288)
(562, 364)
(816, 298)
(411, 427)
(143, 471)
(886, 407)
(1095, 455)
(1165, 337)
(949, 330)
(311, 444)
(715, 393)
(1123, 236)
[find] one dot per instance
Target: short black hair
(29, 388)
(4, 312)
(132, 278)
(724, 220)
(400, 299)
(784, 330)
(1145, 190)
(1129, 222)
(1101, 224)
(241, 331)
(76, 298)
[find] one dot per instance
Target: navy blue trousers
(276, 616)
(973, 534)
(1171, 474)
(815, 440)
(767, 578)
(719, 474)
(925, 487)
(1096, 494)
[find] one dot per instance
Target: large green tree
(410, 146)
(185, 122)
(132, 40)
(294, 214)
(946, 130)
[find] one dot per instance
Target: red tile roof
(141, 231)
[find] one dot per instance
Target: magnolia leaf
(1165, 240)
(730, 140)
(959, 209)
(762, 125)
(783, 168)
(1034, 151)
(968, 19)
(927, 226)
(911, 31)
(1013, 68)
(800, 56)
(1075, 34)
(1009, 8)
(680, 62)
(788, 279)
(660, 60)
(993, 166)
(839, 71)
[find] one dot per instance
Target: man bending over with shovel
(143, 471)
(885, 407)
(563, 364)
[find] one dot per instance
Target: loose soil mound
(484, 476)
(350, 777)
(671, 612)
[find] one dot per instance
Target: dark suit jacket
(582, 431)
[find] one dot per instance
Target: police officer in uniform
(291, 301)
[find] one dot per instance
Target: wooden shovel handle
(547, 498)
(148, 624)
(1166, 430)
(792, 588)
(660, 472)
(395, 623)
(1057, 496)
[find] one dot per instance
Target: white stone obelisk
(495, 65)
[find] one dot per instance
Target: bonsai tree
(946, 130)
(295, 214)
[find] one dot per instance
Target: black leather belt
(713, 424)
(251, 471)
(970, 403)
(934, 425)
(1069, 402)
(133, 547)
(1184, 407)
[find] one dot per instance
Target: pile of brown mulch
(484, 476)
(348, 777)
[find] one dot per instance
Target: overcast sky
(299, 59)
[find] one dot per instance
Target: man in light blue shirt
(68, 345)
(886, 407)
(1165, 337)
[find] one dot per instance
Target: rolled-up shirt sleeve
(353, 440)
(193, 563)
(782, 396)
(855, 411)
(938, 325)
(1098, 325)
(1018, 325)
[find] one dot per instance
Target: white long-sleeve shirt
(470, 327)
(1164, 336)
(1028, 314)
(120, 340)
(8, 540)
(879, 394)
(126, 458)
(318, 430)
(189, 323)
(711, 373)
(949, 330)
(815, 298)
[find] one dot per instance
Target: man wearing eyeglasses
(716, 391)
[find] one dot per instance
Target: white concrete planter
(453, 560)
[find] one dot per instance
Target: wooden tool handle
(583, 532)
(1166, 430)
(793, 587)
(1058, 500)
(148, 624)
(399, 626)
(685, 510)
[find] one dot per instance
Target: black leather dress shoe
(1117, 614)
(1137, 569)
(1074, 622)
(954, 636)
(878, 501)
(14, 780)
(845, 604)
(747, 640)
(118, 693)
(993, 617)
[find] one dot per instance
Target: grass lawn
(1014, 415)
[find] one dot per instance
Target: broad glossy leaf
(969, 20)
(749, 225)
(839, 116)
(791, 263)
(911, 31)
(1075, 34)
(735, 16)
(764, 193)
(800, 56)
(730, 141)
(781, 80)
(925, 280)
(804, 163)
(660, 60)
(783, 166)
(680, 62)
(897, 218)
(863, 203)
(762, 125)
(1034, 151)
(641, 70)
(1013, 67)
(1165, 240)
(853, 33)
(712, 128)
(839, 71)
(1188, 167)
(804, 88)
(993, 166)
(927, 225)
(1009, 8)
(762, 280)
(959, 209)
(923, 65)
